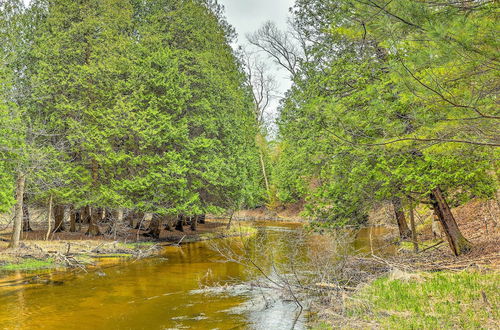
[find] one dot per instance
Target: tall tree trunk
(458, 243)
(264, 173)
(404, 231)
(74, 215)
(154, 227)
(49, 218)
(18, 216)
(180, 223)
(86, 215)
(26, 218)
(194, 222)
(59, 218)
(95, 217)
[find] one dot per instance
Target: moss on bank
(466, 299)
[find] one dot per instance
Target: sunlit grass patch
(435, 300)
(29, 264)
(137, 245)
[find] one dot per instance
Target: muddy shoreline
(77, 251)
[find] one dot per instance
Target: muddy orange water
(155, 293)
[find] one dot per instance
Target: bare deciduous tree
(279, 45)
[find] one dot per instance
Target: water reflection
(156, 293)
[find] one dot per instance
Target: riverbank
(76, 250)
(429, 289)
(424, 300)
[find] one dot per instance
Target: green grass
(29, 264)
(436, 300)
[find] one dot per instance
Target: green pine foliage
(134, 104)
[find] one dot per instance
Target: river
(161, 292)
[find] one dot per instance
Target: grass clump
(431, 301)
(29, 264)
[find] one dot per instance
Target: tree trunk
(154, 227)
(86, 215)
(169, 221)
(202, 219)
(74, 215)
(95, 217)
(179, 224)
(413, 230)
(266, 181)
(49, 218)
(59, 218)
(26, 218)
(404, 231)
(118, 215)
(458, 243)
(194, 222)
(18, 217)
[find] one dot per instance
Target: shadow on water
(160, 292)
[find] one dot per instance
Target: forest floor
(65, 249)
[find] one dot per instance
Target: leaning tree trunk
(26, 218)
(194, 222)
(458, 243)
(404, 231)
(154, 227)
(95, 217)
(59, 218)
(180, 222)
(18, 217)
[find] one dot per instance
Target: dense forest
(391, 102)
(122, 122)
(124, 104)
(145, 107)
